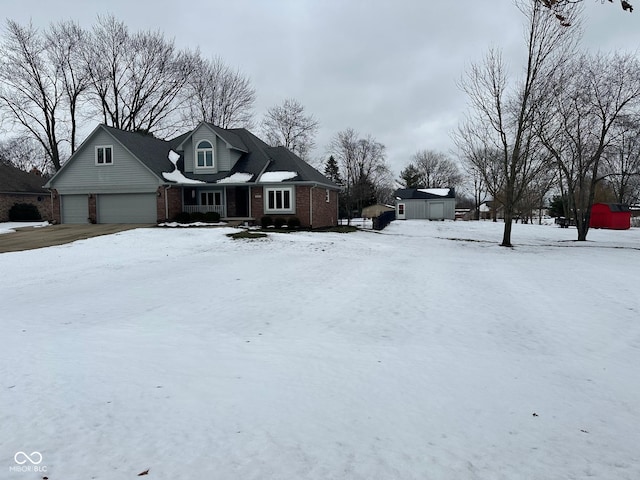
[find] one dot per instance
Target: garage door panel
(127, 208)
(74, 208)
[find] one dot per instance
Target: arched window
(204, 154)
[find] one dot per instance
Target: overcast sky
(385, 68)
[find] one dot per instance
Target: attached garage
(127, 208)
(74, 208)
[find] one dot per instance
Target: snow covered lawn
(425, 351)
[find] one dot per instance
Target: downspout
(166, 203)
(311, 205)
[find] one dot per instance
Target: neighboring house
(17, 186)
(613, 216)
(425, 203)
(124, 177)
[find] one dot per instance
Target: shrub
(293, 222)
(197, 217)
(24, 212)
(266, 222)
(183, 217)
(278, 222)
(212, 217)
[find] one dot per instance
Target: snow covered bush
(266, 221)
(293, 222)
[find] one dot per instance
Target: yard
(424, 351)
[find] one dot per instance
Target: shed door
(436, 211)
(401, 212)
(74, 208)
(127, 208)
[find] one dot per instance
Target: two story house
(117, 176)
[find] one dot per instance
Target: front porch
(230, 202)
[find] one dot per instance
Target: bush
(278, 222)
(293, 222)
(266, 222)
(198, 217)
(212, 217)
(183, 217)
(24, 212)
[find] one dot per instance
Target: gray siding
(188, 155)
(204, 133)
(224, 157)
(430, 209)
(126, 174)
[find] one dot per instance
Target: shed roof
(616, 207)
(424, 193)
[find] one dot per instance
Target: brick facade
(172, 206)
(93, 208)
(41, 200)
(56, 213)
(324, 214)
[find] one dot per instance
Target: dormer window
(204, 154)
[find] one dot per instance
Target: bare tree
(136, 78)
(484, 178)
(591, 97)
(558, 6)
(365, 172)
(287, 125)
(436, 169)
(32, 88)
(622, 161)
(503, 116)
(65, 42)
(220, 95)
(25, 153)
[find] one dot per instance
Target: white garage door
(74, 208)
(127, 208)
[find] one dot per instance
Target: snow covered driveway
(422, 352)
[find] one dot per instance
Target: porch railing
(204, 209)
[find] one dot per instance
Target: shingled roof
(424, 193)
(256, 158)
(14, 180)
(151, 151)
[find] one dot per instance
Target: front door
(400, 213)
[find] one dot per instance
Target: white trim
(205, 150)
(283, 197)
(103, 147)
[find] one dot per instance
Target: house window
(327, 195)
(211, 198)
(104, 155)
(204, 154)
(279, 200)
(401, 209)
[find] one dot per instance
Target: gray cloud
(384, 68)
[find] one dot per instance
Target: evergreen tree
(411, 177)
(332, 171)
